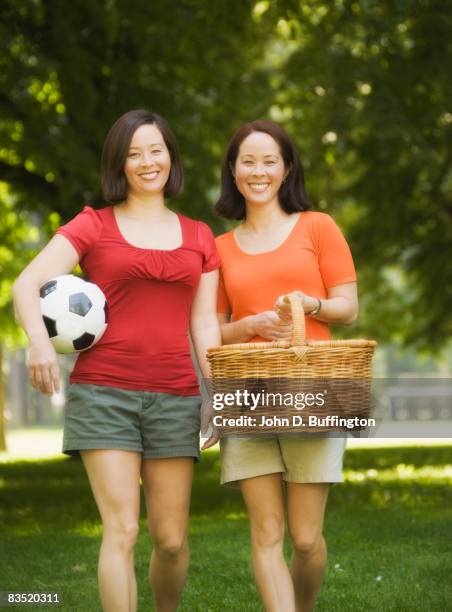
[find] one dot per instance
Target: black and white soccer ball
(74, 312)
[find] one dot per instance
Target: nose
(147, 160)
(259, 169)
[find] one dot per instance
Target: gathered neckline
(124, 239)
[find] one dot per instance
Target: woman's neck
(263, 217)
(145, 207)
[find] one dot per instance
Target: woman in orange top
(280, 247)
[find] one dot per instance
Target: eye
(248, 162)
(270, 162)
(133, 154)
(156, 151)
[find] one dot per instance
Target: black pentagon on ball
(48, 288)
(83, 342)
(79, 304)
(50, 326)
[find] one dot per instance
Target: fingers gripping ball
(74, 312)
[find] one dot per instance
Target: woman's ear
(288, 171)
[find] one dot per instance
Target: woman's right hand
(43, 367)
(270, 326)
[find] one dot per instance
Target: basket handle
(298, 320)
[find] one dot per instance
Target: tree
(15, 229)
(363, 86)
(69, 70)
(366, 90)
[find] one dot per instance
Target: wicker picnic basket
(341, 368)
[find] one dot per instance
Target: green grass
(388, 529)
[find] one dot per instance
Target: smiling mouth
(149, 176)
(258, 187)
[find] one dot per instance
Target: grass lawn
(388, 529)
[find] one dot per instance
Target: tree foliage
(364, 88)
(70, 69)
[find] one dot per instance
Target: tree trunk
(2, 403)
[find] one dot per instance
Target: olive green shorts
(158, 425)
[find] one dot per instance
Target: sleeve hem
(68, 237)
(211, 267)
(341, 281)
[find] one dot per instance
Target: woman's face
(148, 161)
(259, 169)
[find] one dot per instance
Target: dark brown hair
(116, 147)
(292, 193)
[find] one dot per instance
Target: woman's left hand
(207, 426)
(210, 430)
(211, 441)
(282, 305)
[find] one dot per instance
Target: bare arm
(204, 328)
(266, 324)
(58, 257)
(339, 308)
(205, 333)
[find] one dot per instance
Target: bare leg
(114, 476)
(264, 501)
(306, 505)
(167, 486)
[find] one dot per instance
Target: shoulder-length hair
(115, 150)
(292, 193)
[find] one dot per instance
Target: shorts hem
(179, 451)
(297, 477)
(73, 446)
(234, 480)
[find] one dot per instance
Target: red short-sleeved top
(314, 257)
(149, 293)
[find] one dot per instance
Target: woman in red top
(280, 247)
(133, 405)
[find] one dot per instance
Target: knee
(171, 546)
(268, 532)
(308, 544)
(123, 532)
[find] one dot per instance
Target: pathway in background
(32, 444)
(46, 443)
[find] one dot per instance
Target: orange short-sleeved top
(313, 258)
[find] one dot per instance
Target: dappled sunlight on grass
(395, 504)
(27, 526)
(236, 516)
(377, 458)
(38, 493)
(440, 475)
(89, 530)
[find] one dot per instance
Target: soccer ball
(74, 312)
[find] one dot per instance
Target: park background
(364, 88)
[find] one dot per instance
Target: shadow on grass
(387, 527)
(37, 494)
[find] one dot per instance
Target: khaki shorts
(311, 458)
(158, 425)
